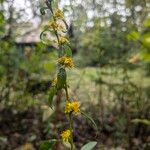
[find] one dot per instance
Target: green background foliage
(105, 35)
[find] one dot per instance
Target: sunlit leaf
(47, 112)
(146, 39)
(145, 55)
(49, 66)
(134, 35)
(89, 118)
(143, 121)
(89, 146)
(147, 23)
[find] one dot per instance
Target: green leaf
(145, 55)
(52, 93)
(1, 1)
(49, 66)
(68, 51)
(134, 35)
(89, 118)
(61, 78)
(42, 10)
(147, 23)
(2, 19)
(47, 145)
(146, 39)
(89, 146)
(143, 121)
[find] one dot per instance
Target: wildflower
(72, 107)
(66, 135)
(54, 82)
(55, 26)
(59, 14)
(63, 40)
(66, 62)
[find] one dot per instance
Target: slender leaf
(68, 51)
(52, 93)
(89, 118)
(143, 121)
(89, 146)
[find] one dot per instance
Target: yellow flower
(59, 14)
(55, 26)
(54, 82)
(63, 40)
(66, 135)
(66, 62)
(72, 107)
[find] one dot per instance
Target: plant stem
(66, 88)
(71, 129)
(67, 95)
(55, 31)
(70, 120)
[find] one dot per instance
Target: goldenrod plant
(58, 28)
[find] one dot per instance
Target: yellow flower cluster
(66, 135)
(55, 26)
(59, 14)
(63, 40)
(66, 62)
(72, 107)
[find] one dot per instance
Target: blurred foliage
(24, 71)
(106, 34)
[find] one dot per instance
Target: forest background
(110, 40)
